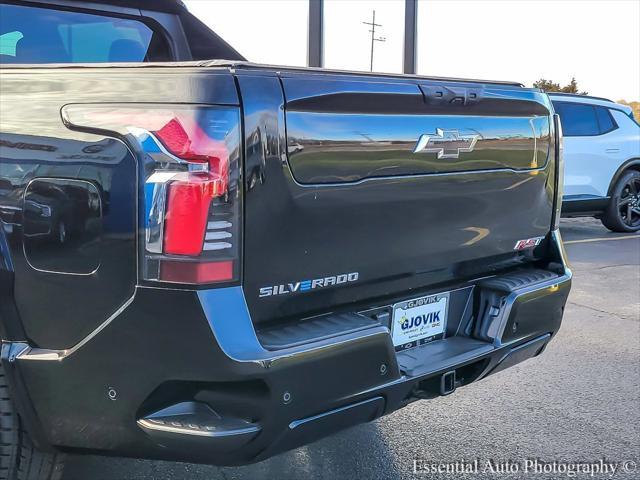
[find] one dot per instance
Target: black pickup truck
(204, 259)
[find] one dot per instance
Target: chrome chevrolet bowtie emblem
(446, 143)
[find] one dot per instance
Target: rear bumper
(316, 390)
(184, 376)
(399, 392)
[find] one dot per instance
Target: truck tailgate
(366, 188)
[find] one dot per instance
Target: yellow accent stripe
(601, 239)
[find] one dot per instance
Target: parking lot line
(601, 239)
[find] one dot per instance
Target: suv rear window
(581, 120)
(605, 120)
(577, 119)
(41, 35)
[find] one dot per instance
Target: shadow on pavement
(360, 452)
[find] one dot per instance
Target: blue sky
(597, 41)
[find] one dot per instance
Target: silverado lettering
(307, 285)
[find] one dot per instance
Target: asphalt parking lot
(579, 402)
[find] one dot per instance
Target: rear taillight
(191, 204)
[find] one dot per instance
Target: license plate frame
(424, 317)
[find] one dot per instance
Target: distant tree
(547, 85)
(550, 86)
(635, 106)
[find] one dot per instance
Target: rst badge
(528, 243)
(446, 143)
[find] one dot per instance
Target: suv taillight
(191, 205)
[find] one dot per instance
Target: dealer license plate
(419, 321)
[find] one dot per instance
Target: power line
(374, 39)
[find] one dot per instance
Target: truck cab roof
(172, 6)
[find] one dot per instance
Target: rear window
(605, 120)
(577, 119)
(41, 35)
(204, 43)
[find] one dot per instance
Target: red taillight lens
(200, 272)
(186, 217)
(187, 140)
(191, 203)
(190, 195)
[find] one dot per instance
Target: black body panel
(400, 220)
(61, 303)
(61, 300)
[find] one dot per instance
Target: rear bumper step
(496, 322)
(314, 330)
(440, 355)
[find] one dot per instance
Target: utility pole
(374, 39)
